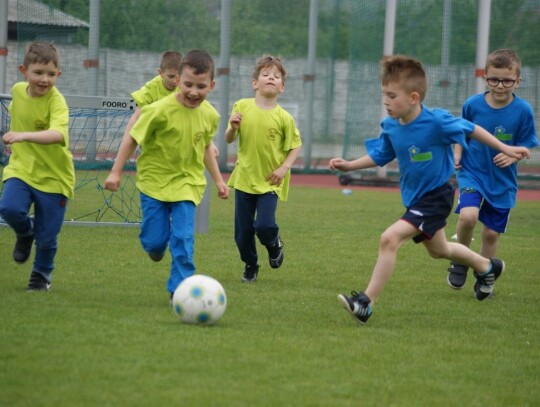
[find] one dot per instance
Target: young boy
(421, 140)
(40, 169)
(488, 179)
(162, 85)
(268, 144)
(175, 134)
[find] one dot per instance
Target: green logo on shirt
(272, 134)
(500, 133)
(417, 156)
(197, 137)
(40, 125)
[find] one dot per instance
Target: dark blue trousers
(49, 211)
(255, 214)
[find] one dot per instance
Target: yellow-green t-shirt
(173, 139)
(265, 138)
(45, 167)
(152, 91)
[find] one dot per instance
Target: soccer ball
(199, 299)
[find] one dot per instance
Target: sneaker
(38, 283)
(485, 282)
(457, 275)
(275, 254)
(23, 247)
(357, 305)
(250, 273)
(156, 256)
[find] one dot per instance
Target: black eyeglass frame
(507, 83)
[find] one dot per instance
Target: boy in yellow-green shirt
(40, 169)
(268, 145)
(175, 134)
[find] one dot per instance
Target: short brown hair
(268, 61)
(170, 60)
(200, 61)
(41, 52)
(406, 71)
(504, 58)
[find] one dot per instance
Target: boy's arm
(488, 139)
(211, 164)
(131, 122)
(359, 164)
(37, 137)
(234, 122)
(126, 149)
(458, 152)
(279, 173)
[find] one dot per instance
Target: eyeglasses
(494, 82)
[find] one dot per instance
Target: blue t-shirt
(512, 125)
(423, 149)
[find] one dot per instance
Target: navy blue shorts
(494, 218)
(429, 214)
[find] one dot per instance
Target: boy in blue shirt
(421, 140)
(488, 179)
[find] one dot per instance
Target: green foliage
(347, 29)
(105, 334)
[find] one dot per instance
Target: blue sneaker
(357, 305)
(485, 282)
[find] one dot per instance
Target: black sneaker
(38, 283)
(275, 254)
(250, 273)
(23, 247)
(357, 305)
(457, 275)
(156, 256)
(485, 282)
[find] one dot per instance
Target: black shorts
(429, 214)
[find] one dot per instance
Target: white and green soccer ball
(199, 299)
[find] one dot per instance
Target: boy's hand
(501, 160)
(517, 152)
(277, 176)
(12, 137)
(235, 120)
(223, 190)
(457, 161)
(339, 164)
(112, 183)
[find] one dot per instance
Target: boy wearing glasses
(488, 179)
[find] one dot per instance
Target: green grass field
(106, 336)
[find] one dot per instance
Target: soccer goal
(96, 128)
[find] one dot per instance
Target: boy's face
(194, 88)
(170, 78)
(41, 78)
(399, 103)
(501, 82)
(269, 83)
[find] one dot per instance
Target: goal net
(96, 128)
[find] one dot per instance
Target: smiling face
(194, 88)
(41, 77)
(269, 82)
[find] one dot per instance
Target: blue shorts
(493, 218)
(429, 214)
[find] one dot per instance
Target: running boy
(40, 169)
(488, 179)
(268, 144)
(175, 134)
(421, 140)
